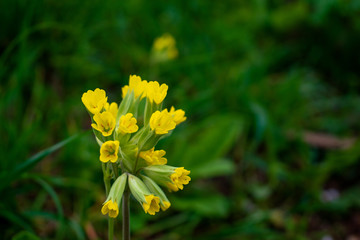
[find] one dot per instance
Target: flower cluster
(127, 140)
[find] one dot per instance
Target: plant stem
(107, 179)
(126, 216)
(111, 228)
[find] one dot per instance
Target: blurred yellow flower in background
(164, 48)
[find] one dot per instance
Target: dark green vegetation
(259, 81)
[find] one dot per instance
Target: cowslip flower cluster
(127, 135)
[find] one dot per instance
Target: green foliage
(254, 77)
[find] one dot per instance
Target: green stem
(107, 179)
(111, 228)
(126, 216)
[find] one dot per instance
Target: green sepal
(98, 141)
(145, 138)
(139, 134)
(149, 110)
(128, 154)
(160, 173)
(154, 188)
(138, 188)
(150, 142)
(124, 106)
(117, 189)
(123, 139)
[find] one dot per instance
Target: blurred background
(270, 89)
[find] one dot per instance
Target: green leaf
(14, 218)
(48, 188)
(6, 179)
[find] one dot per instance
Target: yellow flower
(162, 122)
(109, 151)
(127, 124)
(178, 115)
(155, 92)
(179, 178)
(105, 123)
(111, 108)
(95, 100)
(151, 206)
(110, 208)
(165, 205)
(136, 85)
(154, 157)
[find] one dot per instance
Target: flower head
(110, 208)
(95, 100)
(154, 157)
(127, 124)
(105, 123)
(178, 115)
(123, 140)
(111, 108)
(136, 85)
(155, 92)
(162, 122)
(109, 151)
